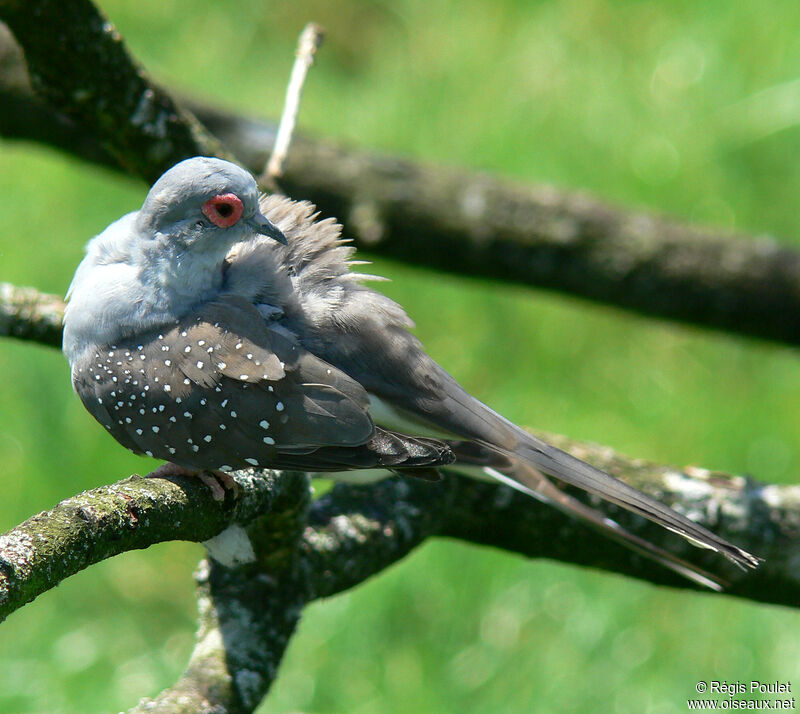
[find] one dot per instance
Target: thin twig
(310, 40)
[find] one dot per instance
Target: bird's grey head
(153, 266)
(201, 202)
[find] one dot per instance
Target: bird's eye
(223, 210)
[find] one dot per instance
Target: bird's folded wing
(222, 387)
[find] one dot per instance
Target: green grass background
(687, 108)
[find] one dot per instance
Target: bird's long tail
(573, 471)
(525, 478)
(530, 458)
(512, 455)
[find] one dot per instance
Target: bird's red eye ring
(223, 210)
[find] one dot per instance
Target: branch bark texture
(300, 551)
(479, 225)
(78, 65)
(130, 515)
(27, 314)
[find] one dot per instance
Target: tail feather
(575, 472)
(466, 415)
(529, 481)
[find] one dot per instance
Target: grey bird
(220, 329)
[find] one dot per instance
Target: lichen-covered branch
(480, 225)
(245, 625)
(762, 518)
(129, 515)
(247, 615)
(354, 532)
(458, 221)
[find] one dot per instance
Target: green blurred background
(687, 108)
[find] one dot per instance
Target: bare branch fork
(299, 550)
(139, 512)
(94, 99)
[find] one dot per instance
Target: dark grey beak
(261, 224)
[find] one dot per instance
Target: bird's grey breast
(129, 283)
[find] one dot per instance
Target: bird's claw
(216, 481)
(219, 482)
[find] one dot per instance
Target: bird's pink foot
(217, 481)
(227, 481)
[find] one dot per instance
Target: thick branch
(129, 515)
(479, 225)
(762, 518)
(457, 221)
(247, 615)
(298, 553)
(355, 532)
(79, 66)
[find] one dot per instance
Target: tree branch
(247, 615)
(301, 552)
(129, 515)
(27, 314)
(468, 223)
(763, 518)
(479, 225)
(78, 65)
